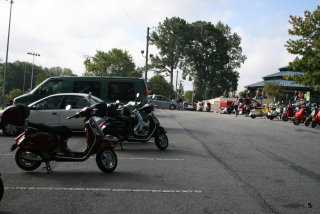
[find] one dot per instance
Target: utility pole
(147, 52)
(5, 65)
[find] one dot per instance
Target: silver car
(51, 110)
(163, 102)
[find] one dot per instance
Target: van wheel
(10, 130)
(172, 107)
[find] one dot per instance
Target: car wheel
(172, 107)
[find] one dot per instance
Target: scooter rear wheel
(24, 163)
(107, 160)
(285, 118)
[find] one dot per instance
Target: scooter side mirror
(68, 107)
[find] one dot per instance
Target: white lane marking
(156, 159)
(102, 189)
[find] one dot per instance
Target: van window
(51, 87)
(123, 91)
(87, 87)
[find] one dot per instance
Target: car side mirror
(68, 107)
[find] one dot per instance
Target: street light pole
(147, 50)
(34, 55)
(5, 65)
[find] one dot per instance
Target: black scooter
(138, 124)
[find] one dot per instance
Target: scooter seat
(64, 131)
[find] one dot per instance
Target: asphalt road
(214, 164)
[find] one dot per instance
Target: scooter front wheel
(296, 122)
(308, 121)
(162, 141)
(313, 124)
(107, 160)
(24, 163)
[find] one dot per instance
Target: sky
(65, 32)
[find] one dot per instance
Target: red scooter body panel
(40, 141)
(301, 114)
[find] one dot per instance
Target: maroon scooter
(41, 143)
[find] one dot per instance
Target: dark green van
(109, 89)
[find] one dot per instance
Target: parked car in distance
(163, 102)
(190, 107)
(51, 110)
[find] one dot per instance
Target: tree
(307, 47)
(19, 75)
(13, 93)
(273, 90)
(114, 63)
(236, 58)
(158, 85)
(206, 55)
(169, 38)
(188, 96)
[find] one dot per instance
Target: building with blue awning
(289, 86)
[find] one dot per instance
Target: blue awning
(284, 83)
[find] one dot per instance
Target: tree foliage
(307, 47)
(169, 38)
(114, 63)
(214, 55)
(206, 53)
(188, 96)
(158, 85)
(18, 75)
(273, 90)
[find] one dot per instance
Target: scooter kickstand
(48, 167)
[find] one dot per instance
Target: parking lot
(214, 164)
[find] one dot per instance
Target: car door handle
(54, 113)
